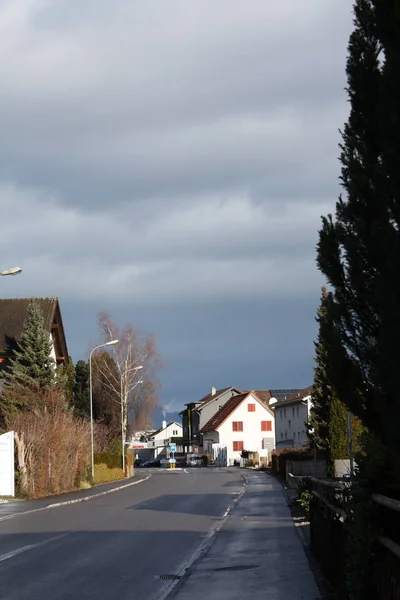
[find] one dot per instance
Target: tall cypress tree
(322, 391)
(359, 250)
(32, 365)
(81, 396)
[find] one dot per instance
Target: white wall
(173, 430)
(290, 429)
(213, 406)
(252, 435)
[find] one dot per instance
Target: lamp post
(13, 271)
(124, 374)
(91, 398)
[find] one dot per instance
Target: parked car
(194, 461)
(139, 462)
(149, 464)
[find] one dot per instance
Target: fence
(306, 468)
(387, 551)
(328, 526)
(330, 511)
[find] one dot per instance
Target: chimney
(164, 424)
(213, 391)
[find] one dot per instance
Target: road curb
(75, 500)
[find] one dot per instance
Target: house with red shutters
(244, 422)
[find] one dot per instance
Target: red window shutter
(240, 426)
(251, 408)
(240, 446)
(266, 425)
(234, 426)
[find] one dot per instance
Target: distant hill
(158, 417)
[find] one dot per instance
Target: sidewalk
(17, 506)
(257, 554)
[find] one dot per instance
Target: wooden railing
(330, 513)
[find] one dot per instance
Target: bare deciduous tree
(137, 360)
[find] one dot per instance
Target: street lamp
(13, 271)
(91, 397)
(124, 373)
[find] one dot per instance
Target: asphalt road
(115, 546)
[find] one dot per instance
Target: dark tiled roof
(263, 395)
(12, 318)
(224, 412)
(211, 396)
(281, 394)
(298, 395)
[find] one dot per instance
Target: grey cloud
(169, 162)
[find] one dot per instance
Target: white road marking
(29, 547)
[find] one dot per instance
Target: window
(293, 411)
(237, 446)
(290, 423)
(175, 432)
(251, 408)
(266, 425)
(284, 413)
(297, 411)
(281, 413)
(281, 436)
(237, 425)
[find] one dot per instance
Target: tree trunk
(22, 466)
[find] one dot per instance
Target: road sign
(172, 448)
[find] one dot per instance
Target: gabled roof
(218, 393)
(203, 401)
(263, 395)
(297, 396)
(164, 428)
(228, 408)
(13, 313)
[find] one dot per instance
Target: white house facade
(244, 422)
(161, 438)
(291, 415)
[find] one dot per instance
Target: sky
(168, 161)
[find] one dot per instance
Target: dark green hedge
(111, 459)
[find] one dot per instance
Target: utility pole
(350, 435)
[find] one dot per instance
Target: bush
(113, 460)
(52, 446)
(305, 502)
(103, 474)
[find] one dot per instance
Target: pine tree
(32, 365)
(81, 395)
(322, 392)
(359, 250)
(66, 380)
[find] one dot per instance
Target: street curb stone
(75, 500)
